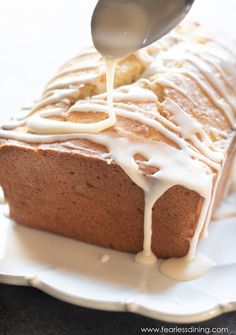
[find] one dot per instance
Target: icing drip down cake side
(150, 182)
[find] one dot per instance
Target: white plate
(72, 271)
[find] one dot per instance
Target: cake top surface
(188, 68)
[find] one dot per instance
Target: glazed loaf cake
(167, 158)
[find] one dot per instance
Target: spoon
(120, 27)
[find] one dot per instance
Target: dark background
(27, 311)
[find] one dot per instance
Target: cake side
(86, 198)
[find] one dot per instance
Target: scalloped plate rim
(117, 306)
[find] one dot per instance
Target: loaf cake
(152, 180)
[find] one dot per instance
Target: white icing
(200, 58)
(54, 97)
(110, 75)
(211, 94)
(1, 196)
(12, 124)
(131, 93)
(39, 124)
(167, 83)
(218, 85)
(181, 269)
(189, 128)
(144, 257)
(6, 211)
(104, 258)
(82, 66)
(75, 81)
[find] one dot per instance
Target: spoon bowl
(120, 27)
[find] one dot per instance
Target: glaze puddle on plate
(74, 271)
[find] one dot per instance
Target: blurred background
(37, 36)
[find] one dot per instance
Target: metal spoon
(120, 27)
